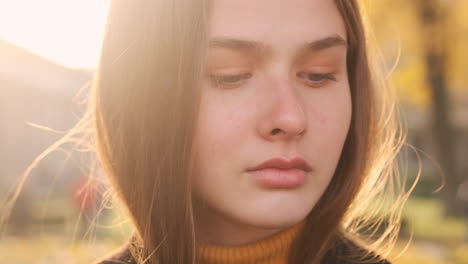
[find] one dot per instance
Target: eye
(229, 79)
(316, 79)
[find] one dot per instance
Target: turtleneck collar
(272, 250)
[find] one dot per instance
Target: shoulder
(347, 251)
(120, 256)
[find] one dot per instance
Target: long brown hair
(143, 108)
(367, 175)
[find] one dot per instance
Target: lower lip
(279, 178)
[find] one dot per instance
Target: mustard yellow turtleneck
(271, 250)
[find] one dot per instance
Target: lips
(281, 163)
(280, 173)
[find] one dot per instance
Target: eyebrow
(258, 47)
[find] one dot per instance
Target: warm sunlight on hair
(233, 131)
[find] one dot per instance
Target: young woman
(240, 131)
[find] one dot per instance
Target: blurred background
(49, 50)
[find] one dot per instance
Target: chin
(279, 208)
(279, 217)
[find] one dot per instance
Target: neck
(273, 249)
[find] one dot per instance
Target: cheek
(337, 111)
(218, 125)
(329, 122)
(221, 132)
(333, 121)
(322, 119)
(221, 126)
(334, 127)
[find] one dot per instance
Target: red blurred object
(85, 195)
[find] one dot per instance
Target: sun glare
(68, 32)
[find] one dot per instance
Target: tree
(433, 16)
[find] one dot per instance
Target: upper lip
(282, 163)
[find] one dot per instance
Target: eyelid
(220, 79)
(228, 70)
(228, 60)
(325, 78)
(240, 75)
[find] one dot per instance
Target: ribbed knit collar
(272, 250)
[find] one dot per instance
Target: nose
(285, 117)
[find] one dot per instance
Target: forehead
(280, 23)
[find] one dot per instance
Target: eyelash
(226, 80)
(324, 77)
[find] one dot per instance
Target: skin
(259, 103)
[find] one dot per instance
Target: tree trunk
(432, 16)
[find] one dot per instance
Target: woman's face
(276, 86)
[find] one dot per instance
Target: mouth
(281, 173)
(281, 163)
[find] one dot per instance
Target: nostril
(276, 131)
